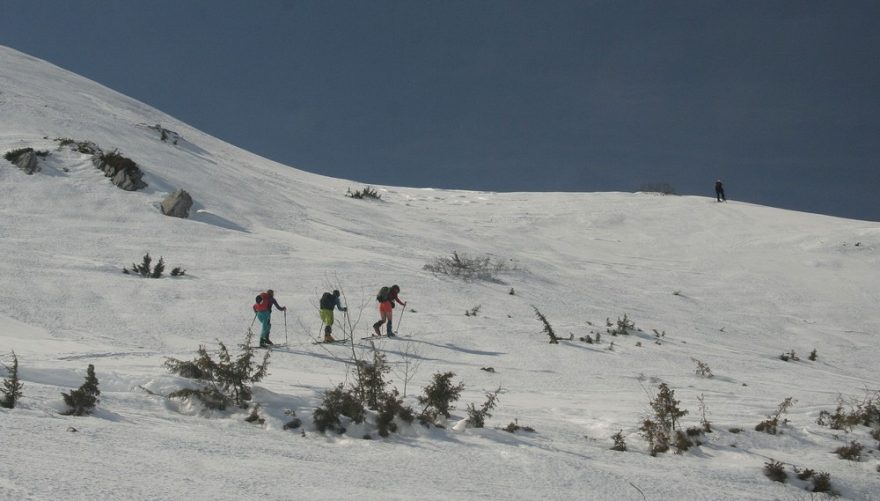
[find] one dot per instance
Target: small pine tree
(391, 406)
(619, 442)
(366, 192)
(337, 403)
(158, 269)
(146, 270)
(804, 474)
(771, 424)
(702, 369)
(651, 431)
(370, 384)
(82, 400)
(439, 396)
(623, 326)
(548, 329)
(666, 407)
(683, 441)
(143, 269)
(368, 391)
(11, 388)
(477, 417)
(226, 380)
(659, 430)
(775, 471)
(822, 482)
(704, 422)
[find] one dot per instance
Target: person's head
(270, 292)
(395, 288)
(335, 293)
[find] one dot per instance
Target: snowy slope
(733, 285)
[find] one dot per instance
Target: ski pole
(252, 321)
(401, 318)
(285, 328)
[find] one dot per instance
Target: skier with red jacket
(263, 309)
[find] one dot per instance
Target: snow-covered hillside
(732, 285)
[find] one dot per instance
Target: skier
(329, 301)
(719, 191)
(387, 297)
(263, 309)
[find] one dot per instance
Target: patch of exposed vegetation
(367, 192)
(468, 268)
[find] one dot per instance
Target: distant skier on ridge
(387, 297)
(329, 301)
(263, 309)
(719, 191)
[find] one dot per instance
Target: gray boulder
(177, 204)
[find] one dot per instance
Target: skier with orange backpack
(263, 309)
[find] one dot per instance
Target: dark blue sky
(780, 99)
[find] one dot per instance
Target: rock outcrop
(122, 171)
(25, 159)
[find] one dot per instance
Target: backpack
(383, 295)
(262, 303)
(328, 301)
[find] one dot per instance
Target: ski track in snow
(733, 285)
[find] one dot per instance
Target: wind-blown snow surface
(733, 285)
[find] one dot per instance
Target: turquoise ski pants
(264, 317)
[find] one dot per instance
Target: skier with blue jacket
(329, 302)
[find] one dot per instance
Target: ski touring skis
(337, 341)
(383, 336)
(270, 346)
